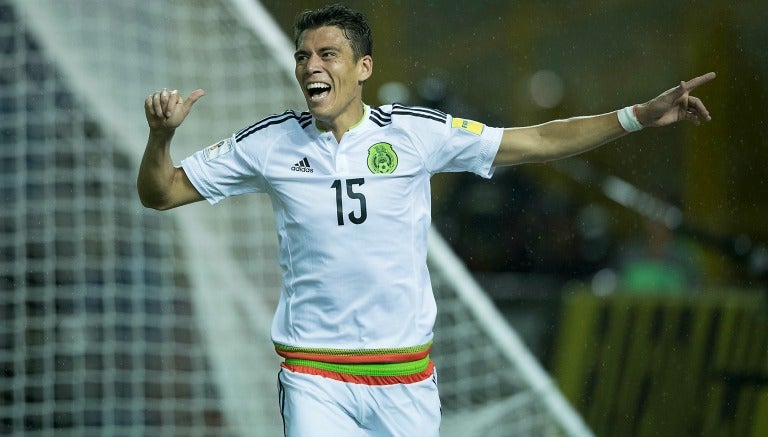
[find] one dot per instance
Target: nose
(313, 64)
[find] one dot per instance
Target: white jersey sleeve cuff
(196, 174)
(491, 140)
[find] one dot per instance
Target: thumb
(678, 91)
(194, 97)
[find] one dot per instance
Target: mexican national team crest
(382, 159)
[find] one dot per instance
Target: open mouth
(318, 90)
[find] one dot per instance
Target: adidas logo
(302, 166)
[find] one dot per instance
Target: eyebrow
(320, 50)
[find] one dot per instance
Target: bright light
(546, 88)
(394, 92)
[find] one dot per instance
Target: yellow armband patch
(470, 126)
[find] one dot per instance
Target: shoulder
(288, 122)
(402, 115)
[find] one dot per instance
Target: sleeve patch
(218, 149)
(470, 126)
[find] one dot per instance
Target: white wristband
(628, 119)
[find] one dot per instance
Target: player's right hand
(167, 109)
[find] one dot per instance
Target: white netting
(116, 320)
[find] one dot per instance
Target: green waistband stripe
(387, 369)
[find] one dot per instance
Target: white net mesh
(116, 320)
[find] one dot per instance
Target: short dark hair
(352, 23)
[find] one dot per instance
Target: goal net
(117, 320)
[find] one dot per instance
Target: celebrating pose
(349, 185)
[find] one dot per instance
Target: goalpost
(117, 320)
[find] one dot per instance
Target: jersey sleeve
(227, 168)
(462, 145)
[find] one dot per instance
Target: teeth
(316, 85)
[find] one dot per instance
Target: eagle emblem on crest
(382, 158)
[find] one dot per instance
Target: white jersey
(352, 217)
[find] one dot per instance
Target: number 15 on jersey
(352, 196)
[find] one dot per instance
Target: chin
(318, 112)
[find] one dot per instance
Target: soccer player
(349, 185)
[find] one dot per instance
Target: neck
(344, 122)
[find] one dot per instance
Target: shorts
(316, 406)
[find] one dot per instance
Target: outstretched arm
(562, 138)
(160, 184)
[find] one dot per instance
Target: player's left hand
(675, 105)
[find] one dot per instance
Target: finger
(194, 97)
(692, 117)
(148, 106)
(697, 81)
(173, 99)
(164, 97)
(157, 105)
(696, 106)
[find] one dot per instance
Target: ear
(364, 68)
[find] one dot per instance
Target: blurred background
(635, 274)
